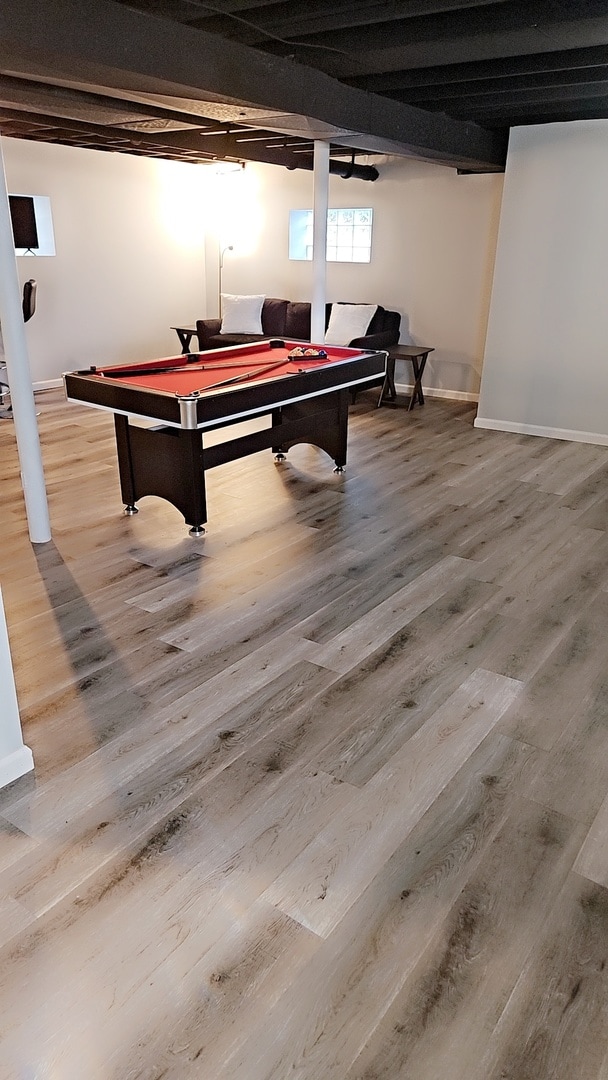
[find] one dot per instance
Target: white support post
(319, 240)
(15, 758)
(19, 379)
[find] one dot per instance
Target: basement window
(349, 234)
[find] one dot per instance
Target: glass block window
(349, 234)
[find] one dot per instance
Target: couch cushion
(221, 341)
(378, 322)
(274, 314)
(297, 321)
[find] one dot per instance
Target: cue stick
(126, 372)
(243, 378)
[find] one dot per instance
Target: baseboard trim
(15, 765)
(47, 384)
(566, 434)
(435, 392)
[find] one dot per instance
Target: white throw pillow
(348, 321)
(241, 314)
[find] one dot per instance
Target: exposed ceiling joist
(318, 17)
(80, 44)
(438, 80)
(527, 66)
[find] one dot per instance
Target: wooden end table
(185, 335)
(417, 355)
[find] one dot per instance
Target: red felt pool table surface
(207, 371)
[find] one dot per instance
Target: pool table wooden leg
(162, 461)
(320, 421)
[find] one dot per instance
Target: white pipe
(15, 758)
(319, 240)
(19, 379)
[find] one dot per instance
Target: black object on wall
(28, 304)
(23, 218)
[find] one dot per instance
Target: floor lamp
(230, 247)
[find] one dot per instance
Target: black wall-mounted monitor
(23, 218)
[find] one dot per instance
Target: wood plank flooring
(324, 793)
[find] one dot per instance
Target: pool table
(163, 408)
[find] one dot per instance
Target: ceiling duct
(345, 169)
(348, 169)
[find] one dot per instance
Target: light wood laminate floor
(323, 794)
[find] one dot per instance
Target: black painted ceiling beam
(543, 112)
(391, 48)
(546, 23)
(198, 148)
(64, 103)
(100, 46)
(549, 86)
(568, 60)
(297, 20)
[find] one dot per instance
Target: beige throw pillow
(348, 321)
(241, 314)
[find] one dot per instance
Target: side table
(417, 354)
(185, 335)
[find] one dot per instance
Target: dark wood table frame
(417, 355)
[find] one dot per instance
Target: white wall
(127, 268)
(546, 369)
(433, 252)
(129, 236)
(15, 758)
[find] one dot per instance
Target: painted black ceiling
(439, 80)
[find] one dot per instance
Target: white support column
(19, 379)
(15, 758)
(319, 239)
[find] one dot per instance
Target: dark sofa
(291, 320)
